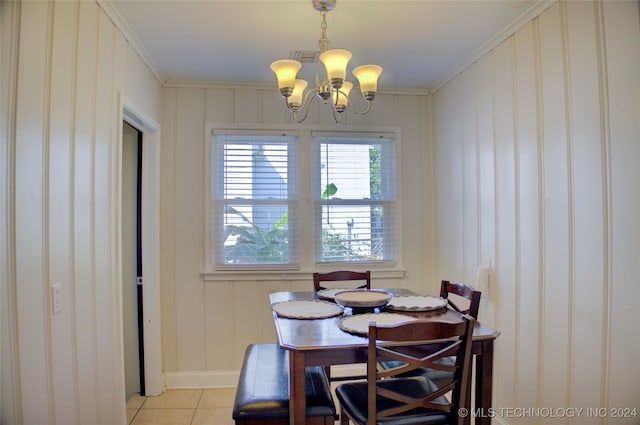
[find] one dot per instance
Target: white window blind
(355, 198)
(255, 196)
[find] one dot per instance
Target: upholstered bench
(262, 395)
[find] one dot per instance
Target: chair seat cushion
(354, 400)
(263, 386)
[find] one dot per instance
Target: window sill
(289, 275)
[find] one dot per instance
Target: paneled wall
(537, 146)
(64, 65)
(532, 166)
(208, 324)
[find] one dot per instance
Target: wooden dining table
(321, 342)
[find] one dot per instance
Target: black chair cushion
(263, 386)
(353, 398)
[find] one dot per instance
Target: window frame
(388, 181)
(306, 204)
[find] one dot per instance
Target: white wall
(64, 65)
(208, 324)
(537, 147)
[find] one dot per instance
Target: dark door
(132, 260)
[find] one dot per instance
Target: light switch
(56, 297)
(483, 277)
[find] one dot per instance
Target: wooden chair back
(342, 275)
(462, 290)
(447, 339)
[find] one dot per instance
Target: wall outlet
(56, 297)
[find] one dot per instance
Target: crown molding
(125, 30)
(210, 84)
(534, 11)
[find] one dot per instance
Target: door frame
(150, 129)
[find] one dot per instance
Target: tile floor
(211, 406)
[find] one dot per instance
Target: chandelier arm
(299, 120)
(304, 107)
(336, 116)
(361, 112)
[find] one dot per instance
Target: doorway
(143, 232)
(132, 296)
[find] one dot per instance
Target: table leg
(484, 383)
(297, 390)
(468, 406)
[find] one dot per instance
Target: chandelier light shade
(340, 98)
(286, 71)
(332, 86)
(335, 61)
(295, 100)
(367, 76)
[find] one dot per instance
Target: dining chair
(467, 301)
(462, 290)
(468, 295)
(392, 400)
(341, 276)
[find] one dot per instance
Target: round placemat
(359, 323)
(362, 298)
(416, 303)
(299, 309)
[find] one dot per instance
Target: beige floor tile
(215, 416)
(174, 399)
(163, 417)
(135, 401)
(131, 413)
(217, 397)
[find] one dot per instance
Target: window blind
(255, 197)
(355, 198)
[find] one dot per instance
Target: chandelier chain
(324, 42)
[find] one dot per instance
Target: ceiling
(419, 43)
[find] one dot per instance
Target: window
(270, 190)
(354, 187)
(255, 199)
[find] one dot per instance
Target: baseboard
(202, 379)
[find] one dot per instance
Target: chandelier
(330, 75)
